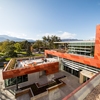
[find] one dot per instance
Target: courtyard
(71, 83)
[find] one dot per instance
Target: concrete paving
(71, 82)
(24, 97)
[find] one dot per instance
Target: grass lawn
(7, 59)
(23, 52)
(1, 54)
(36, 54)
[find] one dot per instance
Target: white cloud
(13, 34)
(92, 38)
(62, 35)
(46, 34)
(67, 35)
(38, 35)
(24, 35)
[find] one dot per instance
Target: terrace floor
(72, 82)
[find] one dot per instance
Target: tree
(28, 50)
(26, 46)
(0, 46)
(9, 51)
(4, 45)
(38, 44)
(18, 47)
(8, 48)
(49, 41)
(44, 41)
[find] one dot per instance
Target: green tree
(38, 44)
(18, 47)
(8, 48)
(0, 46)
(4, 45)
(26, 46)
(28, 50)
(49, 41)
(45, 42)
(9, 51)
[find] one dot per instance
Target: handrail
(7, 65)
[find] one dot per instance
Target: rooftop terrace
(71, 83)
(29, 62)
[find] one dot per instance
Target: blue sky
(34, 19)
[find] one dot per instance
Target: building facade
(80, 55)
(80, 58)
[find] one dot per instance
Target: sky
(33, 19)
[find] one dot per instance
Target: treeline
(47, 42)
(12, 48)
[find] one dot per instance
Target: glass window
(19, 79)
(13, 81)
(25, 78)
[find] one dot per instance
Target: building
(73, 71)
(78, 47)
(81, 58)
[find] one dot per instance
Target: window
(13, 81)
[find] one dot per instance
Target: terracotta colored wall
(97, 44)
(49, 68)
(85, 60)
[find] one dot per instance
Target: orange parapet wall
(85, 60)
(97, 44)
(50, 68)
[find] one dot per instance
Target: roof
(87, 73)
(85, 41)
(94, 94)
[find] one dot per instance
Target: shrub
(11, 64)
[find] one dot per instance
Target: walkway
(71, 82)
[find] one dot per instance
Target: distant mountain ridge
(6, 37)
(70, 40)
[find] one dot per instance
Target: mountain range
(70, 40)
(6, 37)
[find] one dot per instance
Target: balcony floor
(72, 82)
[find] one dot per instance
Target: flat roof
(38, 61)
(84, 41)
(87, 73)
